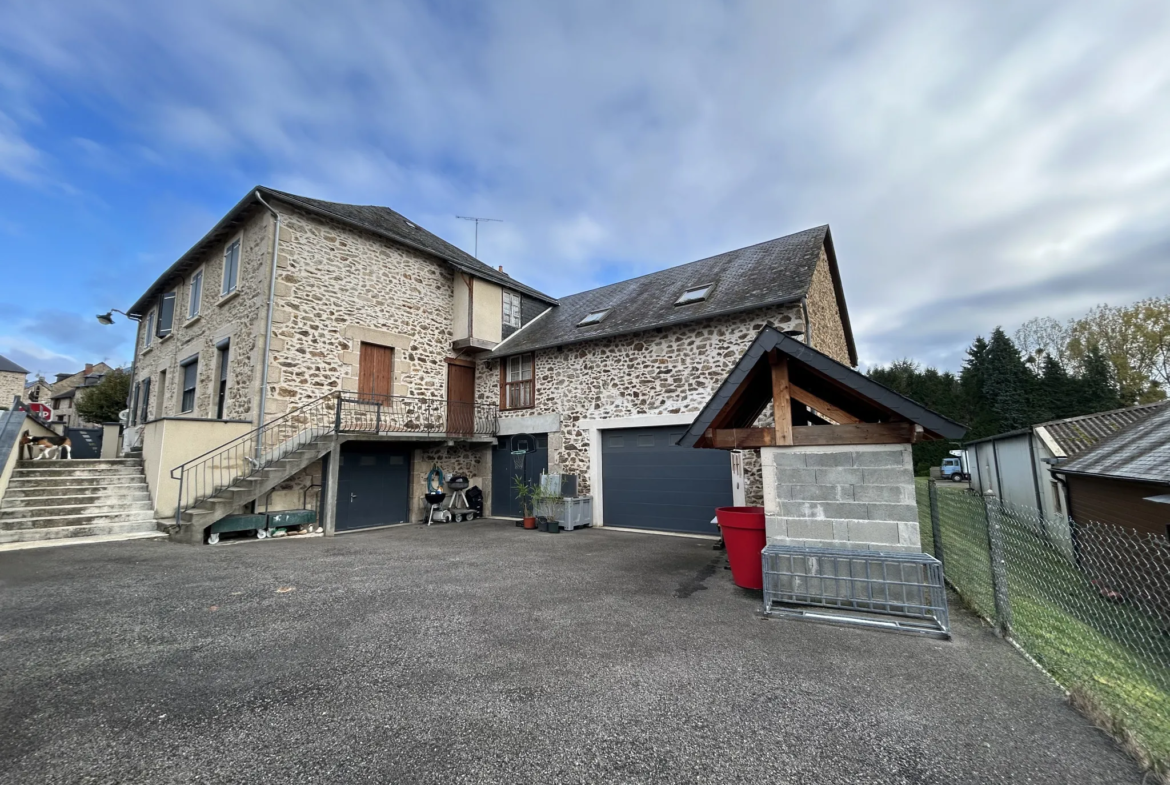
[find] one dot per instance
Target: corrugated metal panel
(1016, 480)
(1077, 434)
(1140, 452)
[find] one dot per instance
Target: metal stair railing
(215, 471)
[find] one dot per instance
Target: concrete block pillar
(841, 496)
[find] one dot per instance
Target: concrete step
(110, 507)
(139, 528)
(67, 521)
(36, 481)
(89, 539)
(87, 463)
(88, 474)
(54, 490)
(94, 497)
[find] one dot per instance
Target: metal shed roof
(1140, 452)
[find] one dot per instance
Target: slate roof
(1077, 434)
(769, 273)
(7, 366)
(771, 338)
(381, 221)
(1139, 452)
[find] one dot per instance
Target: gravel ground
(483, 653)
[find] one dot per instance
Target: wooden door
(375, 373)
(460, 399)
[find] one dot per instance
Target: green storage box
(238, 523)
(286, 518)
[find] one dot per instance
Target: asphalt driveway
(482, 653)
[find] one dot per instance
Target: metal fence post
(935, 523)
(337, 416)
(999, 584)
(378, 419)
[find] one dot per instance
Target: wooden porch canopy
(815, 399)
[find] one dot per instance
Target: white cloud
(998, 160)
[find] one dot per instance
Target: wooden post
(781, 398)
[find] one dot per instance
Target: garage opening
(373, 485)
(649, 482)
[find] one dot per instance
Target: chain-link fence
(1089, 601)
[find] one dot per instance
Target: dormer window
(695, 295)
(594, 318)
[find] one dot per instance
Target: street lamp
(107, 318)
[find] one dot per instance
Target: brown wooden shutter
(375, 371)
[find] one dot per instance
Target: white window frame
(594, 317)
(191, 362)
(149, 330)
(512, 304)
(195, 304)
(695, 294)
(224, 291)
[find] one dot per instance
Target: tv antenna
(477, 220)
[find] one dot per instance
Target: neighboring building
(66, 399)
(1014, 465)
(1125, 478)
(12, 380)
(442, 360)
(38, 391)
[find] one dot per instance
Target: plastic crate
(577, 511)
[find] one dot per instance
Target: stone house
(12, 378)
(347, 352)
(68, 387)
(38, 391)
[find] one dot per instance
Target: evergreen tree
(1097, 385)
(1007, 384)
(1057, 391)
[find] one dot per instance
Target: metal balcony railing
(391, 414)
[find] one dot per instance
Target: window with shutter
(166, 315)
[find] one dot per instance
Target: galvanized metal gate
(87, 442)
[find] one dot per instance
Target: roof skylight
(695, 294)
(594, 317)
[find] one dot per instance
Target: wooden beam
(737, 438)
(854, 433)
(733, 402)
(821, 406)
(781, 399)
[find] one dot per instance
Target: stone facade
(851, 496)
(239, 316)
(11, 386)
(666, 371)
(828, 331)
(337, 287)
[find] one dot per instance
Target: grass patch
(1110, 657)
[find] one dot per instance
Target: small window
(160, 406)
(518, 392)
(231, 267)
(195, 287)
(695, 295)
(190, 376)
(594, 318)
(221, 392)
(149, 339)
(166, 315)
(134, 404)
(145, 400)
(511, 309)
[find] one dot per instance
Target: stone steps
(76, 500)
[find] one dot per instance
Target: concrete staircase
(77, 500)
(296, 457)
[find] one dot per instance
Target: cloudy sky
(980, 163)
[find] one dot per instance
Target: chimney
(501, 268)
(89, 368)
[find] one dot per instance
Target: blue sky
(980, 164)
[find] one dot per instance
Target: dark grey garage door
(373, 485)
(649, 482)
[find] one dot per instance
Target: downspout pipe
(268, 322)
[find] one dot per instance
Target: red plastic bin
(743, 534)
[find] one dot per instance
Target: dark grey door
(506, 467)
(86, 442)
(649, 482)
(373, 486)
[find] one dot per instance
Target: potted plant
(547, 504)
(526, 493)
